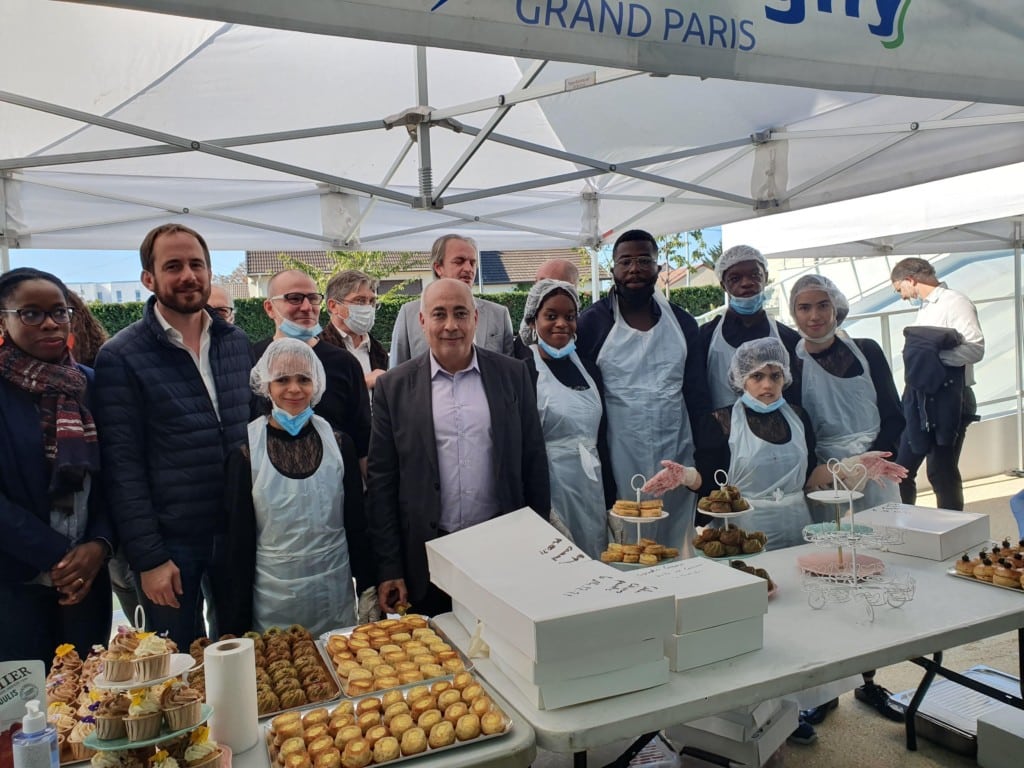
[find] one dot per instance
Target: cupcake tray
(268, 736)
(109, 745)
(180, 664)
(325, 656)
(953, 572)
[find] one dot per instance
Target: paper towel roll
(231, 691)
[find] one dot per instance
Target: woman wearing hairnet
(571, 407)
(296, 528)
(848, 392)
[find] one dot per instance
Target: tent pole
(5, 251)
(1018, 321)
(423, 131)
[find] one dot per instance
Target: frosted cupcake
(152, 658)
(182, 706)
(111, 759)
(162, 759)
(144, 718)
(110, 715)
(66, 661)
(75, 740)
(202, 752)
(119, 659)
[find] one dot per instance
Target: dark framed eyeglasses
(225, 312)
(642, 262)
(60, 315)
(296, 299)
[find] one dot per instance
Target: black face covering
(634, 298)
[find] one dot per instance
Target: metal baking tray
(268, 736)
(332, 677)
(952, 572)
(325, 656)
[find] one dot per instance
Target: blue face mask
(757, 406)
(292, 424)
(558, 354)
(747, 305)
(295, 331)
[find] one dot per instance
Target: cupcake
(144, 718)
(118, 660)
(202, 752)
(181, 705)
(152, 658)
(105, 759)
(66, 660)
(110, 715)
(162, 759)
(77, 736)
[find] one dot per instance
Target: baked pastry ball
(429, 719)
(984, 570)
(292, 746)
(471, 692)
(386, 682)
(628, 558)
(398, 708)
(446, 698)
(440, 687)
(365, 653)
(468, 727)
(453, 712)
(481, 705)
(339, 722)
(395, 657)
(400, 724)
(344, 667)
(401, 637)
(423, 658)
(314, 732)
(372, 662)
(376, 733)
(318, 716)
(337, 644)
(445, 654)
(289, 730)
(359, 674)
(461, 680)
(441, 735)
(389, 698)
(648, 559)
(357, 754)
(346, 734)
(413, 742)
(431, 670)
(343, 708)
(379, 668)
(283, 720)
(371, 704)
(330, 759)
(422, 704)
(492, 723)
(1004, 575)
(417, 692)
(320, 746)
(297, 761)
(386, 750)
(367, 720)
(611, 557)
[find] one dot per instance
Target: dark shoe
(878, 697)
(804, 734)
(817, 715)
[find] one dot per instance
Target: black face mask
(634, 298)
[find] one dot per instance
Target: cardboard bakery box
(464, 616)
(708, 593)
(544, 596)
(706, 646)
(936, 534)
(753, 751)
(740, 724)
(566, 693)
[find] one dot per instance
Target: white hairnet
(753, 356)
(736, 255)
(538, 292)
(288, 357)
(820, 283)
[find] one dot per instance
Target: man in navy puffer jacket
(172, 399)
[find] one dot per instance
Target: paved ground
(854, 736)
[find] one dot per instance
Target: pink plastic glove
(878, 469)
(671, 477)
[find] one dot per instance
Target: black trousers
(943, 462)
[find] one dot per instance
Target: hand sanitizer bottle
(35, 745)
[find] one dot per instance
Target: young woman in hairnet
(296, 527)
(848, 392)
(571, 406)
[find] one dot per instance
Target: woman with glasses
(55, 536)
(352, 306)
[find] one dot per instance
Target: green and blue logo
(891, 14)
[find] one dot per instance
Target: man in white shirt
(914, 280)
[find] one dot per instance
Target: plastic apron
(570, 419)
(647, 418)
(720, 354)
(771, 477)
(844, 413)
(302, 565)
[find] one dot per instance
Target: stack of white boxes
(935, 534)
(562, 627)
(719, 610)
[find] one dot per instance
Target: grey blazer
(403, 479)
(493, 331)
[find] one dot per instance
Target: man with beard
(655, 385)
(172, 400)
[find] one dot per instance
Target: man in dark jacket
(172, 399)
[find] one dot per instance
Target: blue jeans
(200, 579)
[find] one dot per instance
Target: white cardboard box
(706, 646)
(1000, 736)
(565, 693)
(464, 616)
(936, 534)
(543, 595)
(740, 724)
(708, 593)
(748, 752)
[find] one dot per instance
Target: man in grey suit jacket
(456, 441)
(456, 257)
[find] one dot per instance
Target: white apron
(647, 419)
(720, 354)
(570, 419)
(771, 477)
(302, 565)
(844, 413)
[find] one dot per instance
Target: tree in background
(238, 276)
(682, 249)
(379, 265)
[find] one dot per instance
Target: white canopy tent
(114, 120)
